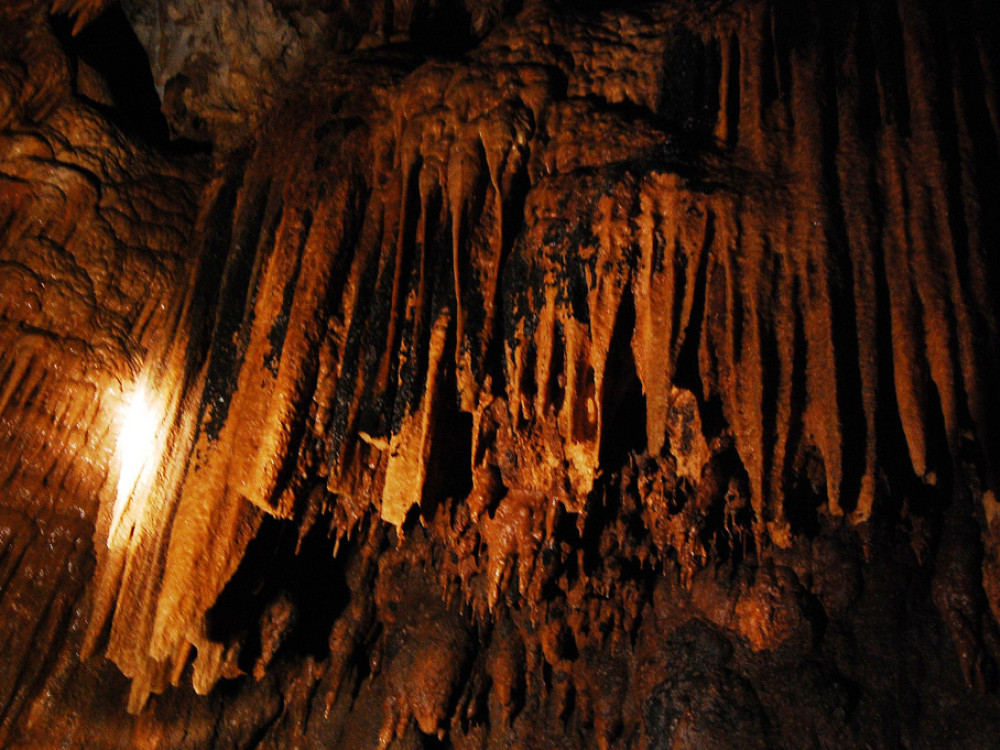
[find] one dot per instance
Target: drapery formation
(503, 281)
(616, 296)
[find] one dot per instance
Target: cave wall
(615, 376)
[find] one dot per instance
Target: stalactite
(626, 317)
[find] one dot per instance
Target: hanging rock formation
(605, 377)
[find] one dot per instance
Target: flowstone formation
(485, 375)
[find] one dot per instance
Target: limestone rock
(513, 375)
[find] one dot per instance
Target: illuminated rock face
(625, 382)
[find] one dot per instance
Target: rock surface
(507, 376)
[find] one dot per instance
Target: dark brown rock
(508, 376)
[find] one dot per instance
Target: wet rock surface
(507, 375)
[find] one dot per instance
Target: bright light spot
(136, 450)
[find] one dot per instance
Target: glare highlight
(136, 451)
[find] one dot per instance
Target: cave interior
(489, 374)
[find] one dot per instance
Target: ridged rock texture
(499, 375)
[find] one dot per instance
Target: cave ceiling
(494, 374)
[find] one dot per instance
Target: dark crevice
(311, 581)
(772, 371)
(799, 505)
(689, 90)
(109, 47)
(962, 93)
(623, 404)
(887, 42)
(788, 20)
(732, 103)
(847, 353)
(687, 373)
(449, 465)
(869, 120)
(805, 494)
(770, 88)
(680, 260)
